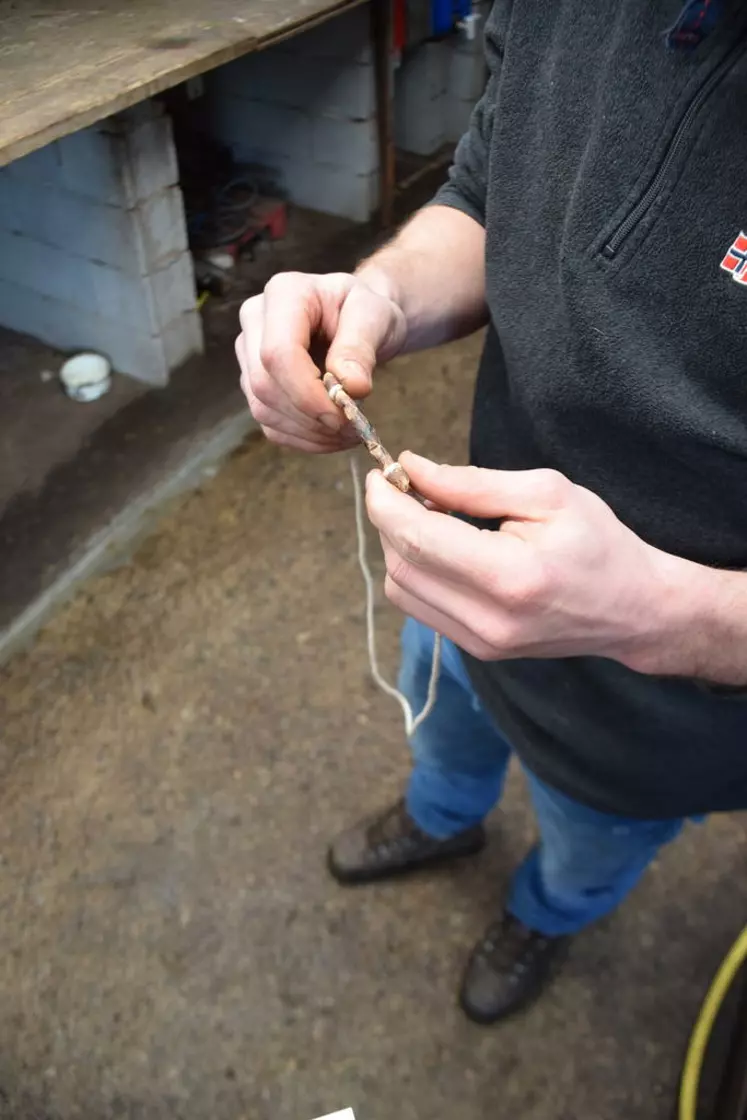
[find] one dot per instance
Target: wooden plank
(65, 66)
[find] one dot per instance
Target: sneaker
(390, 843)
(508, 968)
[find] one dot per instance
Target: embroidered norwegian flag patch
(735, 261)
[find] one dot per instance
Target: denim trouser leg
(586, 861)
(460, 757)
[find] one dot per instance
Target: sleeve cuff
(450, 195)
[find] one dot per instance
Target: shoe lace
(393, 830)
(508, 943)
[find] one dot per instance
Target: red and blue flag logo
(735, 261)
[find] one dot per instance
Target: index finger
(293, 313)
(435, 540)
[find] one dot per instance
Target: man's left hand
(563, 577)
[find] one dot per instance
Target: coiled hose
(720, 985)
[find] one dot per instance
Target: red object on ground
(268, 216)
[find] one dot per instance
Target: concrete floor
(176, 749)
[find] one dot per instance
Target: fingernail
(331, 421)
(351, 368)
(419, 459)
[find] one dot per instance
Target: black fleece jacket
(610, 173)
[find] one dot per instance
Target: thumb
(370, 328)
(518, 495)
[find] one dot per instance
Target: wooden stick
(390, 468)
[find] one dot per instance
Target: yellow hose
(715, 997)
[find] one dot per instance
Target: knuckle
(524, 585)
(287, 283)
(263, 387)
(338, 284)
(273, 435)
(409, 544)
(261, 413)
(272, 355)
(554, 486)
(250, 312)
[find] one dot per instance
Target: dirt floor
(176, 750)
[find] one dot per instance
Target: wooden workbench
(65, 64)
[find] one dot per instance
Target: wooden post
(381, 32)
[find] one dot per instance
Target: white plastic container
(86, 377)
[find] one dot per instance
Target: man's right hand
(301, 325)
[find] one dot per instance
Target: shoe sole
(364, 877)
(484, 1019)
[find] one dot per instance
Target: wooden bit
(390, 468)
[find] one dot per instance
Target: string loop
(412, 721)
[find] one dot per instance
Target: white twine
(412, 721)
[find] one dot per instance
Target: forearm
(701, 629)
(434, 269)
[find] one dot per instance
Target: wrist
(686, 612)
(376, 276)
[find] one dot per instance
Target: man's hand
(562, 577)
(303, 323)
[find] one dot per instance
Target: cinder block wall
(306, 110)
(436, 88)
(93, 249)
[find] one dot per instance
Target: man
(592, 220)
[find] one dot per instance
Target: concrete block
(350, 144)
(337, 89)
(134, 241)
(181, 339)
(305, 110)
(172, 291)
(69, 221)
(149, 162)
(41, 166)
(159, 227)
(421, 99)
(144, 303)
(81, 163)
(334, 190)
(121, 161)
(89, 166)
(467, 73)
(250, 127)
(146, 357)
(54, 273)
(347, 36)
(458, 116)
(425, 70)
(93, 246)
(421, 132)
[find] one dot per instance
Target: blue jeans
(585, 861)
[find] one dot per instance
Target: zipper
(649, 196)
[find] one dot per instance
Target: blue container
(446, 13)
